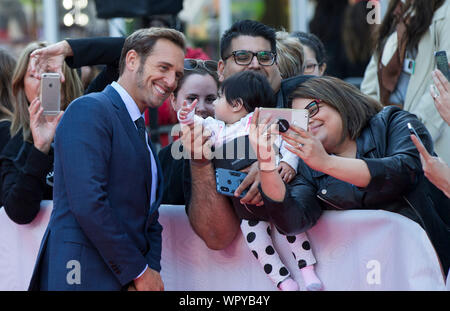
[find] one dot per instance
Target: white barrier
(355, 250)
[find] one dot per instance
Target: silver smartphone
(51, 93)
(285, 117)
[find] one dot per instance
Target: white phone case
(298, 117)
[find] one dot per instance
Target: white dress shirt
(135, 114)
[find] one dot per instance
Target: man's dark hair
(246, 28)
(251, 87)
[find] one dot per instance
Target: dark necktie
(140, 124)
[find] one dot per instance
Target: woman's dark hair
(415, 28)
(7, 64)
(314, 43)
(327, 19)
(199, 71)
(355, 108)
(357, 33)
(251, 87)
(246, 28)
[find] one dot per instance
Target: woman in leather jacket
(355, 155)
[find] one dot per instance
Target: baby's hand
(287, 173)
(186, 112)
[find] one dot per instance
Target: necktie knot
(140, 124)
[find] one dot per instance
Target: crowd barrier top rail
(355, 250)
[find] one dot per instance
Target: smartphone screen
(51, 93)
(442, 63)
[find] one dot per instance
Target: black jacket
(4, 138)
(24, 172)
(97, 51)
(398, 184)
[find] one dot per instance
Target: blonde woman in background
(290, 55)
(7, 64)
(27, 160)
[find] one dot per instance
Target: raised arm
(81, 52)
(211, 214)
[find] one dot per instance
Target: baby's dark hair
(251, 87)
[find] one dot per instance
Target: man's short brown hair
(143, 40)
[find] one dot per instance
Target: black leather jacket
(398, 184)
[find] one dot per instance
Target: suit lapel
(130, 129)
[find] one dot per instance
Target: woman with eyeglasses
(355, 155)
(314, 53)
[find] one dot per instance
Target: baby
(239, 95)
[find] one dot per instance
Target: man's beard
(140, 84)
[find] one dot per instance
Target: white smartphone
(285, 117)
(51, 93)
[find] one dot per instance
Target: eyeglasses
(313, 107)
(244, 57)
(309, 68)
(192, 64)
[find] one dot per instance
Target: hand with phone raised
(43, 127)
(435, 169)
(50, 59)
(441, 96)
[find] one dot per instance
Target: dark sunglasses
(244, 57)
(313, 107)
(192, 64)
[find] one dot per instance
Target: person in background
(327, 24)
(436, 170)
(356, 155)
(7, 64)
(314, 53)
(441, 97)
(357, 38)
(399, 72)
(290, 55)
(26, 162)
